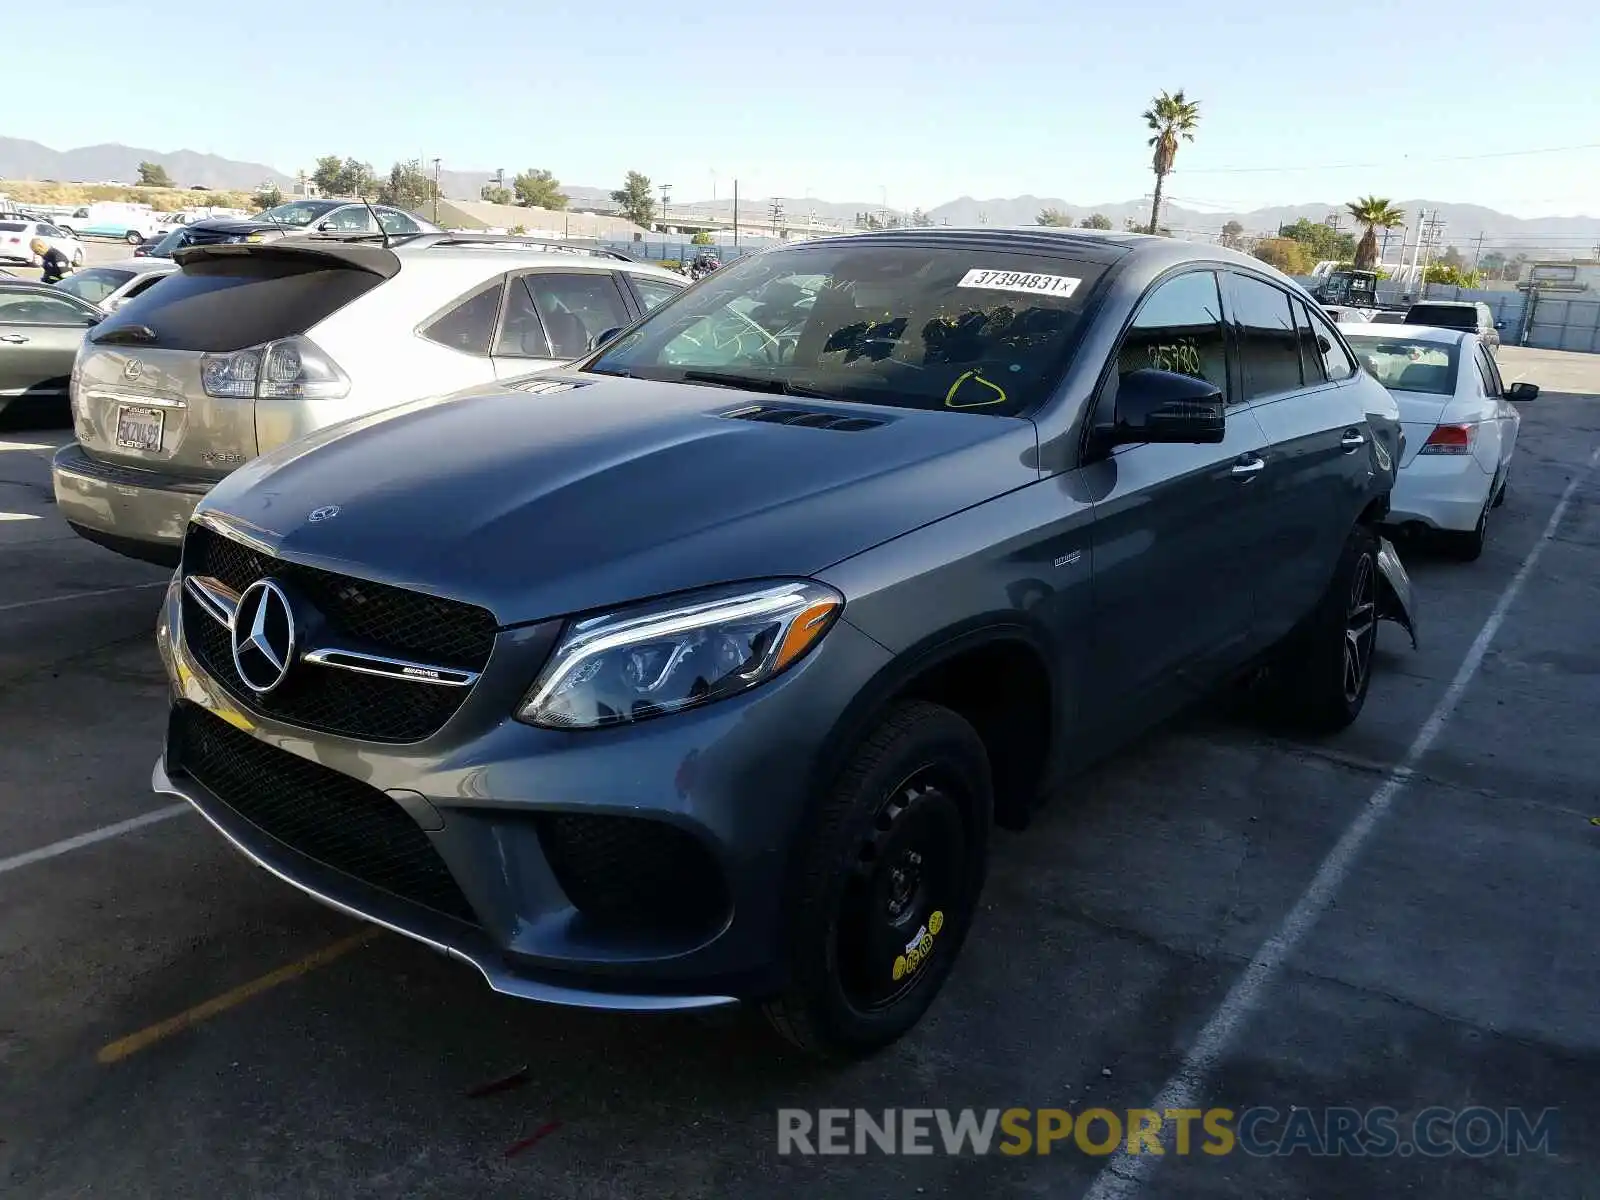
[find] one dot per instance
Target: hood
(575, 492)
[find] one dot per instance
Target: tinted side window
(1311, 364)
(1179, 328)
(1336, 363)
(576, 308)
(397, 222)
(1491, 370)
(469, 326)
(34, 308)
(1268, 351)
(653, 292)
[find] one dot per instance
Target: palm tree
(1172, 117)
(1374, 213)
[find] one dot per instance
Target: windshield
(95, 284)
(297, 212)
(173, 241)
(1405, 365)
(943, 327)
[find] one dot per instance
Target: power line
(1403, 159)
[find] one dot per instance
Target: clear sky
(914, 104)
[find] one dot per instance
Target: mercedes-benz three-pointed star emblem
(263, 636)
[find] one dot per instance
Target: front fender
(1396, 600)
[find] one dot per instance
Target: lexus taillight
(291, 369)
(1450, 439)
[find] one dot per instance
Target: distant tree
(1133, 226)
(154, 175)
(635, 199)
(268, 197)
(1451, 275)
(1375, 213)
(1172, 117)
(335, 176)
(328, 174)
(518, 230)
(1095, 221)
(541, 189)
(1493, 263)
(358, 178)
(1054, 217)
(408, 186)
(701, 238)
(1324, 242)
(868, 220)
(1452, 257)
(495, 195)
(1233, 235)
(1289, 256)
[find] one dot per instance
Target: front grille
(389, 620)
(403, 623)
(338, 821)
(631, 872)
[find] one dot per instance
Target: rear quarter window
(215, 306)
(1442, 315)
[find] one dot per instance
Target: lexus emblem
(326, 513)
(132, 369)
(263, 636)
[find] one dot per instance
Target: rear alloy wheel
(886, 884)
(133, 237)
(1319, 679)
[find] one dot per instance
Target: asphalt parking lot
(1399, 916)
(97, 253)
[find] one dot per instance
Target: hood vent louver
(807, 418)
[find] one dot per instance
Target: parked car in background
(40, 332)
(250, 346)
(339, 217)
(16, 240)
(854, 548)
(1388, 316)
(110, 286)
(1472, 316)
(1461, 425)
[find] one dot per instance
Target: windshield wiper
(756, 383)
(127, 333)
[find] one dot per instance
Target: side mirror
(1163, 406)
(1523, 391)
(604, 336)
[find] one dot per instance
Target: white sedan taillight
(291, 369)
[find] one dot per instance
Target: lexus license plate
(139, 428)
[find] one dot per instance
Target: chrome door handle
(1352, 440)
(16, 339)
(1247, 468)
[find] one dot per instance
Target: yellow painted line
(125, 1047)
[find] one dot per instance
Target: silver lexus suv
(251, 346)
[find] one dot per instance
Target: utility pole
(666, 192)
(436, 191)
(736, 216)
(1477, 253)
(776, 210)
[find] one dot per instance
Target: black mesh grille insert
(632, 872)
(386, 619)
(327, 816)
(805, 418)
(403, 623)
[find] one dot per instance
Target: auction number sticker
(1020, 281)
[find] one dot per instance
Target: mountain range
(1463, 224)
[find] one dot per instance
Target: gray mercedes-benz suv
(699, 672)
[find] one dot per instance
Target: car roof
(1445, 304)
(1411, 333)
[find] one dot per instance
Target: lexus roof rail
(557, 246)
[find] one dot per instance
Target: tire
(133, 237)
(886, 883)
(77, 259)
(1500, 496)
(1468, 547)
(1320, 676)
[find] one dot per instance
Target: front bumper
(732, 776)
(1440, 491)
(142, 514)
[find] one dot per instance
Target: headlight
(658, 658)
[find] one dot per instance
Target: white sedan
(112, 285)
(1460, 426)
(17, 234)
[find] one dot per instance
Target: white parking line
(132, 587)
(1125, 1174)
(103, 834)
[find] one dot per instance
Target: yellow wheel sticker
(919, 947)
(999, 397)
(901, 967)
(936, 922)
